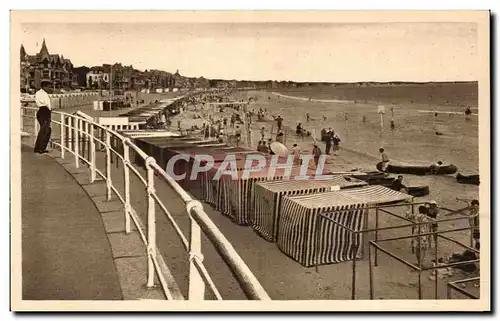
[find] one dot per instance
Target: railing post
(70, 133)
(85, 145)
(108, 166)
(92, 154)
(196, 283)
(77, 142)
(151, 225)
(63, 119)
(126, 175)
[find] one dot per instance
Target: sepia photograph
(250, 160)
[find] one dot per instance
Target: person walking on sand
(238, 135)
(433, 211)
(385, 159)
(336, 143)
(262, 133)
(420, 243)
(279, 122)
(280, 137)
(43, 116)
(328, 143)
(307, 117)
(296, 154)
(316, 154)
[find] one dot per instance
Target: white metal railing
(75, 130)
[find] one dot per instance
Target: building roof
(44, 52)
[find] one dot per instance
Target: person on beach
(221, 136)
(296, 154)
(307, 117)
(385, 159)
(299, 129)
(328, 143)
(392, 125)
(43, 116)
(264, 147)
(280, 137)
(336, 143)
(262, 133)
(473, 214)
(420, 243)
(397, 185)
(279, 122)
(238, 135)
(433, 212)
(474, 222)
(233, 120)
(364, 119)
(316, 154)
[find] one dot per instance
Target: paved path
(66, 253)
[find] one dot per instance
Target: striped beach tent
(237, 196)
(214, 191)
(268, 199)
(377, 195)
(309, 240)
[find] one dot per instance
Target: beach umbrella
(279, 149)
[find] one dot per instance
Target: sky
(326, 52)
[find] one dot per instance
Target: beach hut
(269, 195)
(299, 228)
(310, 241)
(210, 190)
(236, 196)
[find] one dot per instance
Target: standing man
(385, 159)
(328, 143)
(316, 154)
(296, 154)
(262, 133)
(238, 135)
(43, 116)
(433, 212)
(280, 137)
(336, 143)
(279, 122)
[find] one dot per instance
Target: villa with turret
(45, 70)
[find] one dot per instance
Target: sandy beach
(413, 141)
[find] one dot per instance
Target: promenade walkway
(66, 253)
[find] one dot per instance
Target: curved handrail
(200, 221)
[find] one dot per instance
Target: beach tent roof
(377, 195)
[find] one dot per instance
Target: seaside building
(98, 77)
(43, 69)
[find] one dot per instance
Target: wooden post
(435, 271)
(376, 235)
(355, 253)
(370, 270)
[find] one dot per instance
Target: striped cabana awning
(377, 195)
(236, 197)
(309, 240)
(269, 196)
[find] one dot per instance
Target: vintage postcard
(250, 161)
